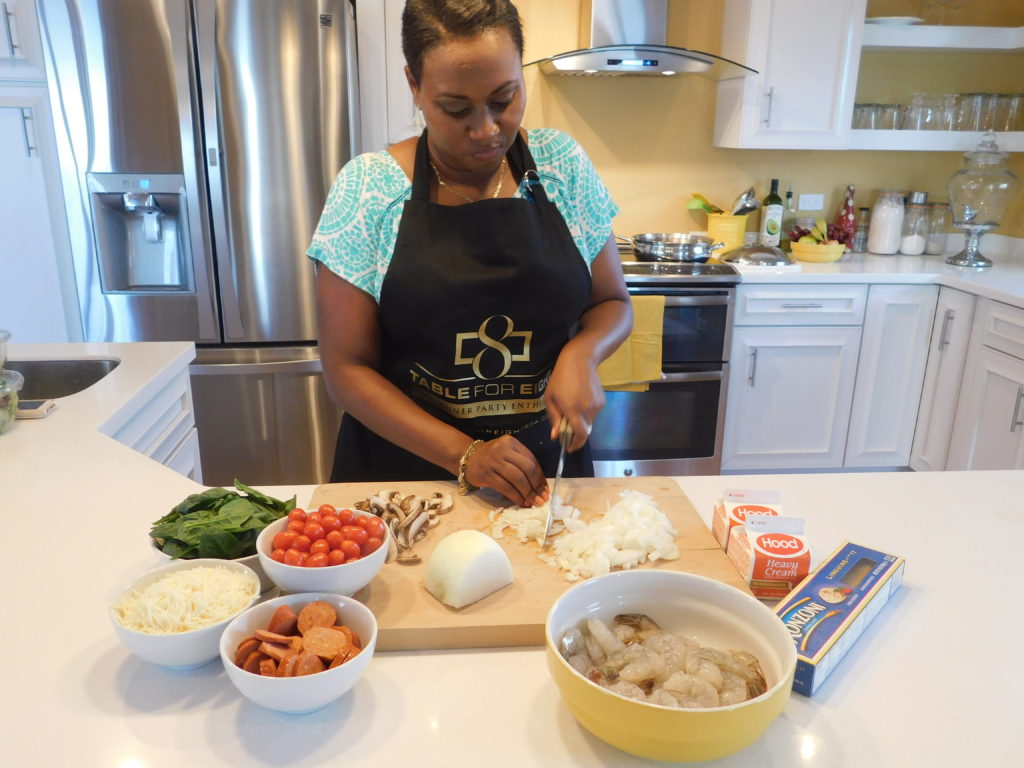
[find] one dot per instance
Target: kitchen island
(934, 680)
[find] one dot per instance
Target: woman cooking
(468, 283)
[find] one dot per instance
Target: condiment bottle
(771, 216)
(914, 233)
(938, 227)
(860, 237)
(886, 222)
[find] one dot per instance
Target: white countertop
(934, 681)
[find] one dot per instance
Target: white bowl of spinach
(219, 523)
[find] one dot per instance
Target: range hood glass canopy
(627, 38)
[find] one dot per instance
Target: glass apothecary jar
(979, 194)
(914, 235)
(938, 228)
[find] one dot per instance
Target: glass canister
(10, 384)
(860, 237)
(938, 228)
(886, 222)
(914, 235)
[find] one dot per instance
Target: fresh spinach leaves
(218, 523)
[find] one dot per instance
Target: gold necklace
(467, 198)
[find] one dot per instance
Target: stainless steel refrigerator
(198, 140)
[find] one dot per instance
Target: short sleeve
(576, 189)
(356, 233)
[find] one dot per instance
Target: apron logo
(493, 345)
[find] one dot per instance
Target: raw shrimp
(635, 658)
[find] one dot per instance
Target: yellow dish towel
(637, 361)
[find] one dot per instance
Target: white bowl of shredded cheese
(174, 615)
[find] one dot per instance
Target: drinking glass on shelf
(946, 113)
(918, 116)
(865, 116)
(1007, 112)
(969, 114)
(888, 117)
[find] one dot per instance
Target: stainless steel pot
(671, 246)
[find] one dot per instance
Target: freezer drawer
(263, 416)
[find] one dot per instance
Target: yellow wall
(651, 138)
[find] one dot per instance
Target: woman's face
(472, 96)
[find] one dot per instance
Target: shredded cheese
(185, 600)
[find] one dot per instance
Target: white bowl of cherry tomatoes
(326, 550)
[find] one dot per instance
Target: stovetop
(669, 272)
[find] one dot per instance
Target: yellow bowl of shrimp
(667, 665)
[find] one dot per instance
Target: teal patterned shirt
(359, 224)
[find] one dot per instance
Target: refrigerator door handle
(267, 368)
(206, 43)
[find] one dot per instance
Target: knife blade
(564, 438)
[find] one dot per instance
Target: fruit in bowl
(820, 243)
(326, 550)
(726, 663)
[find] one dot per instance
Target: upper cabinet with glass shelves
(959, 58)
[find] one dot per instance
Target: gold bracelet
(465, 487)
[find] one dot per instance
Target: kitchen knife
(564, 438)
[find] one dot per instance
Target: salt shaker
(886, 222)
(938, 226)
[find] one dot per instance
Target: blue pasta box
(828, 611)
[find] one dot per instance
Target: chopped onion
(529, 522)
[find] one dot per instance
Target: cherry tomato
(353, 559)
(295, 525)
(335, 557)
(355, 533)
(293, 557)
(303, 557)
(314, 531)
(334, 539)
(327, 509)
(330, 522)
(345, 515)
(318, 560)
(376, 528)
(301, 543)
(297, 514)
(277, 554)
(350, 549)
(313, 517)
(320, 545)
(284, 539)
(372, 545)
(364, 521)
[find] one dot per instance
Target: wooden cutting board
(410, 618)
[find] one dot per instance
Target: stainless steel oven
(675, 426)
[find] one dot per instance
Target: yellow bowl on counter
(719, 616)
(821, 253)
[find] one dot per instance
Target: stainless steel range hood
(627, 38)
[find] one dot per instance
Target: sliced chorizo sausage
(284, 621)
(308, 663)
(316, 614)
(325, 642)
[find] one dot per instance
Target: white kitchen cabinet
(386, 108)
(890, 371)
(161, 425)
(988, 432)
(40, 303)
(951, 333)
(789, 397)
(806, 54)
(21, 53)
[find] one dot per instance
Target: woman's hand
(574, 391)
(508, 466)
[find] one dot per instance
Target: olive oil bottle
(771, 216)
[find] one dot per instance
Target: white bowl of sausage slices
(298, 653)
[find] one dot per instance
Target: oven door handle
(697, 301)
(687, 378)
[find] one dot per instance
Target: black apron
(476, 305)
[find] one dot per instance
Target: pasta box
(830, 609)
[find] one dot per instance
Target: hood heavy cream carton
(736, 505)
(771, 554)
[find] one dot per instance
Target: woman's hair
(429, 23)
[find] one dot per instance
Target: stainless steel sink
(46, 379)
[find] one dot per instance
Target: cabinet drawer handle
(947, 322)
(810, 305)
(26, 117)
(9, 28)
(753, 367)
(1016, 411)
(769, 97)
